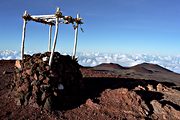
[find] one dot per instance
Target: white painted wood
(50, 34)
(54, 43)
(43, 16)
(75, 40)
(23, 36)
(53, 19)
(48, 20)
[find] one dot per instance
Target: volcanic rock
(165, 112)
(124, 102)
(35, 80)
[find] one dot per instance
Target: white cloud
(169, 62)
(93, 59)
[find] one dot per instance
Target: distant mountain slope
(149, 67)
(146, 71)
(109, 66)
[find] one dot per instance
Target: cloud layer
(93, 59)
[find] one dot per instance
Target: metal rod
(23, 36)
(50, 34)
(54, 43)
(75, 40)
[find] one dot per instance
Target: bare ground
(109, 91)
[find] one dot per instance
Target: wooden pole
(75, 40)
(54, 43)
(50, 34)
(23, 36)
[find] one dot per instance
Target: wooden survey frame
(51, 20)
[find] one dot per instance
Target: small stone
(161, 88)
(35, 77)
(33, 83)
(45, 58)
(24, 88)
(90, 104)
(26, 98)
(41, 77)
(19, 89)
(28, 71)
(18, 64)
(18, 102)
(5, 72)
(60, 87)
(43, 96)
(150, 88)
(55, 93)
(47, 68)
(48, 103)
(139, 88)
(24, 74)
(46, 80)
(35, 89)
(44, 87)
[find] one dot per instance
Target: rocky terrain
(109, 91)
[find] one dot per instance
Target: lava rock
(37, 82)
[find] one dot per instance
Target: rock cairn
(38, 84)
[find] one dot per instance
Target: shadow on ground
(93, 87)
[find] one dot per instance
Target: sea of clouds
(92, 59)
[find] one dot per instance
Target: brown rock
(90, 104)
(166, 112)
(47, 68)
(139, 87)
(123, 101)
(25, 87)
(35, 89)
(18, 64)
(161, 88)
(48, 103)
(150, 87)
(24, 74)
(43, 97)
(46, 80)
(17, 101)
(28, 71)
(41, 77)
(55, 93)
(5, 72)
(35, 77)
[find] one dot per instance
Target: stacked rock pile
(38, 84)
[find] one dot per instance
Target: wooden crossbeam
(44, 16)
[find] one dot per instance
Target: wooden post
(23, 36)
(75, 39)
(54, 43)
(50, 33)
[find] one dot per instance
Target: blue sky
(126, 26)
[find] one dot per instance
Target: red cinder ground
(109, 91)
